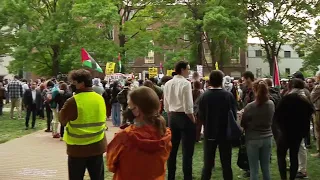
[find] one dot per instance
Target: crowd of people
(155, 115)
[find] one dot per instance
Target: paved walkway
(37, 156)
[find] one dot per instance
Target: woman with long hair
(147, 140)
(256, 121)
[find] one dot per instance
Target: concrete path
(37, 156)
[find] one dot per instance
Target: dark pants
(78, 166)
(209, 149)
(182, 129)
(61, 130)
(293, 144)
(307, 139)
(49, 117)
(198, 130)
(41, 113)
(31, 109)
(1, 108)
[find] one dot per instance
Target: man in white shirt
(178, 103)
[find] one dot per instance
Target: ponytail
(159, 123)
(261, 92)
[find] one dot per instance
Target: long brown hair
(261, 91)
(149, 84)
(148, 102)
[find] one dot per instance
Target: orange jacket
(139, 153)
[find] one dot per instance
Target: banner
(110, 66)
(153, 72)
(169, 72)
(200, 70)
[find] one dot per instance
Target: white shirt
(33, 92)
(25, 87)
(178, 95)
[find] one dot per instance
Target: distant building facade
(289, 60)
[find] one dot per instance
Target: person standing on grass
(84, 116)
(179, 106)
(214, 107)
(256, 121)
(2, 97)
(292, 115)
(32, 101)
(15, 91)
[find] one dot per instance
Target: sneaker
(56, 136)
(316, 155)
(302, 175)
(47, 130)
(245, 175)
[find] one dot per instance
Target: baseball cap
(298, 75)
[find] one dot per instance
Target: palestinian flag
(276, 76)
(89, 62)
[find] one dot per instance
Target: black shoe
(26, 128)
(33, 128)
(47, 130)
(301, 175)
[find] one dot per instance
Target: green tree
(193, 24)
(49, 36)
(278, 22)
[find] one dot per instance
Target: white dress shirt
(34, 92)
(178, 95)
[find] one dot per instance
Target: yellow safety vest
(90, 125)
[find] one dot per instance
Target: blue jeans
(259, 150)
(115, 113)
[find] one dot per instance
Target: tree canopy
(278, 22)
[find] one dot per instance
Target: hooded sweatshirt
(227, 83)
(139, 153)
(97, 86)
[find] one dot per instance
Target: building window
(235, 55)
(287, 70)
(185, 37)
(207, 55)
(169, 52)
(287, 54)
(258, 72)
(258, 53)
(150, 58)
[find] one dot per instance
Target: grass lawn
(10, 129)
(313, 165)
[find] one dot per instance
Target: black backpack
(122, 96)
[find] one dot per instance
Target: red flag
(276, 76)
(84, 55)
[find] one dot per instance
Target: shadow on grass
(15, 128)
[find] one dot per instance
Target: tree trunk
(55, 59)
(200, 50)
(271, 65)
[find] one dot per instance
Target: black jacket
(28, 101)
(214, 107)
(275, 96)
(293, 115)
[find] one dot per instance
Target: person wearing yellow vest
(84, 116)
